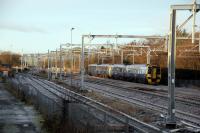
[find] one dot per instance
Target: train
(140, 73)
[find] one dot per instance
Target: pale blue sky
(39, 25)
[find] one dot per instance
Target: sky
(34, 26)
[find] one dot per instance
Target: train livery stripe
(154, 73)
(148, 77)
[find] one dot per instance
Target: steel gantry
(106, 36)
(61, 58)
(142, 49)
(171, 122)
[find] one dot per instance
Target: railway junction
(110, 87)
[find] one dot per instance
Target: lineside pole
(148, 55)
(21, 61)
(56, 65)
(199, 43)
(60, 62)
(82, 65)
(193, 22)
(113, 56)
(71, 62)
(48, 66)
(98, 57)
(166, 43)
(51, 63)
(72, 58)
(171, 122)
(122, 57)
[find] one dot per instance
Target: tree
(9, 58)
(102, 47)
(181, 33)
(126, 62)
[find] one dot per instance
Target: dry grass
(140, 113)
(130, 109)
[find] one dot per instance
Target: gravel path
(15, 116)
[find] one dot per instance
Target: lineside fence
(52, 99)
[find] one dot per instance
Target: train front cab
(153, 75)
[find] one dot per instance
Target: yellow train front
(153, 75)
(142, 73)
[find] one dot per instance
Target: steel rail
(180, 114)
(162, 109)
(52, 97)
(119, 86)
(188, 116)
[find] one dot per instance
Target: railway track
(184, 98)
(162, 108)
(180, 92)
(110, 90)
(61, 92)
(190, 100)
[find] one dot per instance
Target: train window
(114, 69)
(158, 70)
(149, 70)
(129, 71)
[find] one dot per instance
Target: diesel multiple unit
(141, 73)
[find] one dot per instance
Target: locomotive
(141, 73)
